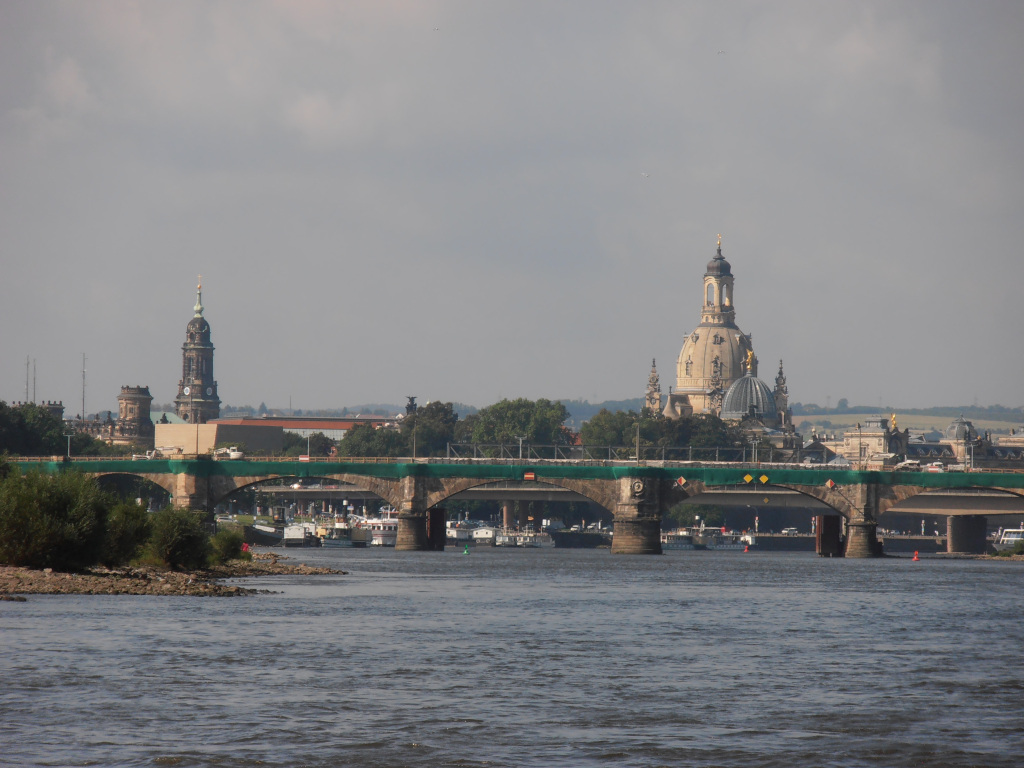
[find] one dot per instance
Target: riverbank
(16, 581)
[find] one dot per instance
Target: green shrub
(52, 521)
(178, 539)
(226, 545)
(128, 528)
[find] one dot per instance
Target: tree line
(428, 430)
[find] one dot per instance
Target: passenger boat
(1008, 538)
(721, 539)
(680, 539)
(341, 534)
(505, 538)
(383, 529)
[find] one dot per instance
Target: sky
(469, 201)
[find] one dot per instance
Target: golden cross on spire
(199, 287)
(719, 239)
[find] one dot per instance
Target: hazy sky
(475, 200)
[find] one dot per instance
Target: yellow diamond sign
(747, 478)
(763, 479)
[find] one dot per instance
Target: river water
(532, 658)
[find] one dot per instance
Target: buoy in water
(915, 555)
(746, 548)
(466, 550)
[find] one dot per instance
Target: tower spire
(199, 298)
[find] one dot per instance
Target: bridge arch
(592, 490)
(387, 489)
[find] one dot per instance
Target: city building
(716, 371)
(197, 401)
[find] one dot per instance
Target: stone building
(716, 371)
(197, 401)
(134, 425)
(715, 353)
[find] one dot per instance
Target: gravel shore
(15, 581)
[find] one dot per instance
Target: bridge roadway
(636, 494)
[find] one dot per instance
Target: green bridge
(636, 494)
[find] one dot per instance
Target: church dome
(961, 429)
(748, 396)
(718, 266)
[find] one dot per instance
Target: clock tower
(197, 401)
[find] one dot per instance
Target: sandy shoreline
(16, 581)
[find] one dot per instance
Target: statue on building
(652, 399)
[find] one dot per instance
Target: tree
(610, 428)
(540, 422)
(366, 440)
(432, 426)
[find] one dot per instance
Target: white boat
(505, 538)
(680, 539)
(721, 539)
(341, 534)
(301, 535)
(383, 529)
(1008, 538)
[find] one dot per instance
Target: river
(532, 658)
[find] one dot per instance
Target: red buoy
(746, 548)
(915, 555)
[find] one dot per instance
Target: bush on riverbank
(178, 539)
(128, 529)
(226, 545)
(57, 522)
(65, 522)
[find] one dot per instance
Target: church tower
(714, 354)
(197, 401)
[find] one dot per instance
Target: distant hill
(582, 410)
(970, 412)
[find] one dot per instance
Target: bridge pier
(637, 518)
(965, 534)
(412, 533)
(861, 538)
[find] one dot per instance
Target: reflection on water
(531, 658)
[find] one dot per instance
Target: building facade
(197, 401)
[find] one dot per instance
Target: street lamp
(69, 436)
(520, 447)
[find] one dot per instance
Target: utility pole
(83, 387)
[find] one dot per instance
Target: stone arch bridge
(637, 495)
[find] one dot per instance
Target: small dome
(748, 397)
(961, 429)
(198, 325)
(718, 266)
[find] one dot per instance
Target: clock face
(186, 390)
(209, 390)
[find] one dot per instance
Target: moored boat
(262, 535)
(1008, 538)
(383, 529)
(680, 539)
(301, 535)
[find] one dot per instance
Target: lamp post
(520, 447)
(638, 443)
(860, 449)
(69, 436)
